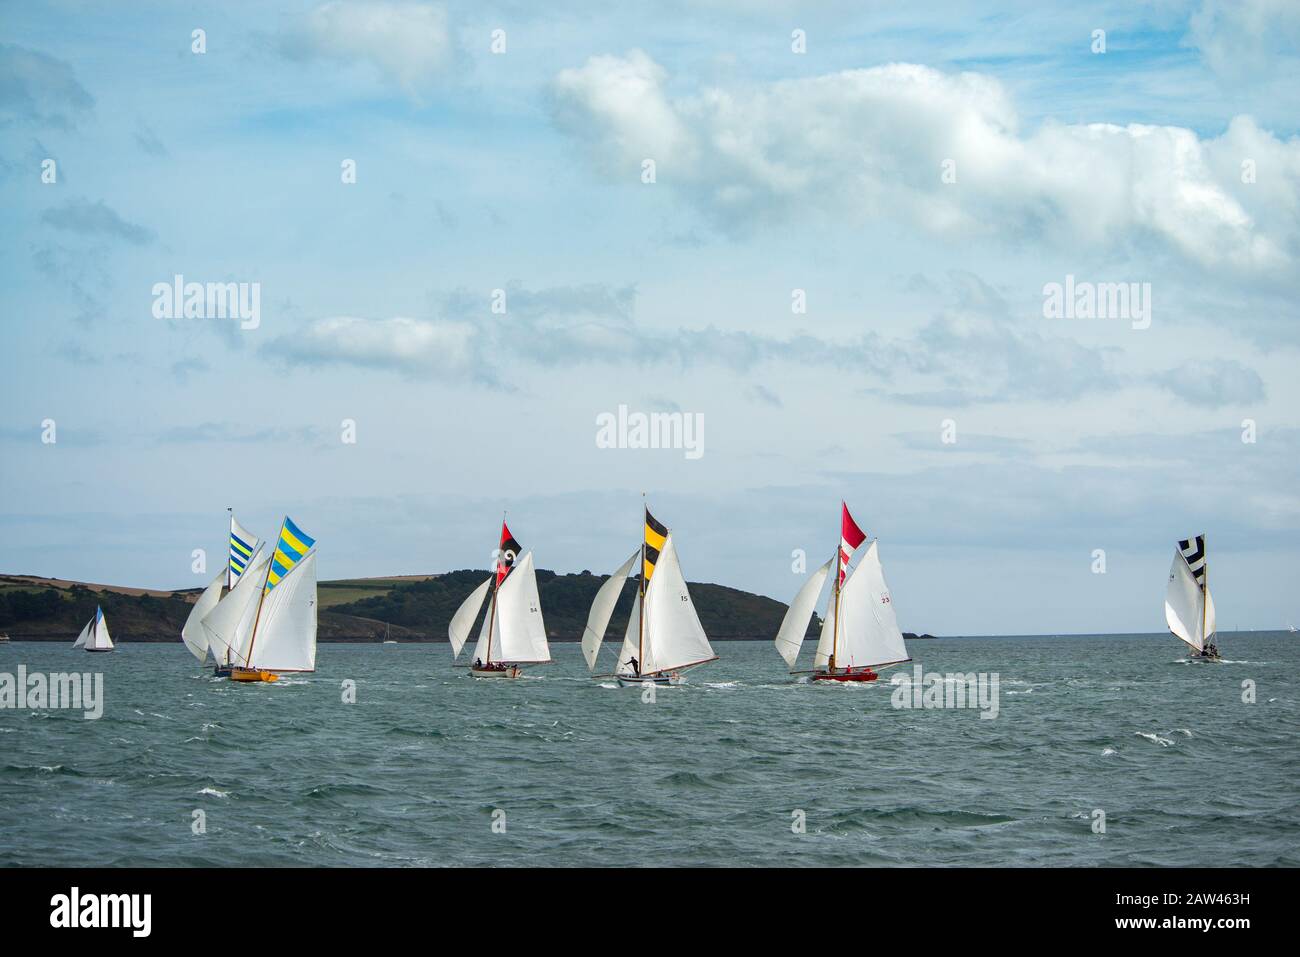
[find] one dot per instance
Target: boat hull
(100, 651)
(222, 671)
(252, 674)
(640, 681)
(849, 674)
(510, 671)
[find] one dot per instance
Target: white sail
(674, 637)
(229, 625)
(631, 646)
(98, 639)
(463, 620)
(520, 633)
(601, 609)
(481, 647)
(192, 631)
(869, 632)
(795, 623)
(1183, 604)
(825, 641)
(85, 633)
(285, 636)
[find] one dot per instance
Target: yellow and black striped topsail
(655, 536)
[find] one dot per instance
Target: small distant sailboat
(859, 629)
(95, 637)
(513, 632)
(664, 636)
(267, 623)
(1189, 607)
(1290, 628)
(243, 546)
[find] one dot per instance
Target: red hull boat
(851, 674)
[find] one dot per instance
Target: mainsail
(284, 635)
(673, 636)
(519, 634)
(1189, 607)
(869, 634)
(192, 632)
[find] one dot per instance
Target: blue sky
(775, 171)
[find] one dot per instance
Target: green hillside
(427, 606)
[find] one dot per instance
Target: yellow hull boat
(252, 674)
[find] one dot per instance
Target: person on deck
(636, 665)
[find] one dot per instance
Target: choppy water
(710, 773)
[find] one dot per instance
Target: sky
(837, 263)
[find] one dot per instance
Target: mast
(231, 531)
(496, 586)
(640, 624)
(835, 620)
(229, 584)
(1205, 594)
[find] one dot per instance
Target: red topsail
(506, 554)
(850, 538)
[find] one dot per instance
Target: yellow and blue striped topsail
(294, 543)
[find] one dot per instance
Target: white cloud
(1247, 40)
(410, 346)
(408, 43)
(871, 143)
(1215, 383)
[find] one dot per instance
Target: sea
(1105, 750)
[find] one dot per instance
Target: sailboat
(243, 546)
(268, 621)
(1189, 607)
(859, 629)
(95, 637)
(664, 636)
(513, 632)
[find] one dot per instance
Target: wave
(1155, 738)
